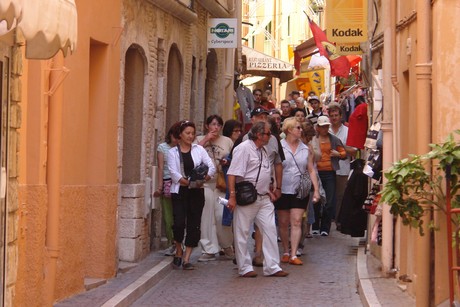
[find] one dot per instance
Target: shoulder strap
(296, 163)
(181, 161)
(260, 166)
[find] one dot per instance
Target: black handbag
(246, 192)
(197, 175)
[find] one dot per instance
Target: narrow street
(327, 278)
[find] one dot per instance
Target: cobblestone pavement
(327, 278)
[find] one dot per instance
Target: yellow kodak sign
(346, 21)
(348, 49)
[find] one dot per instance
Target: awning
(251, 80)
(47, 25)
(10, 11)
(260, 64)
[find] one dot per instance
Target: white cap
(323, 121)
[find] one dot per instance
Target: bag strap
(296, 163)
(181, 161)
(260, 166)
(378, 114)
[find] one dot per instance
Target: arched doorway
(211, 89)
(133, 224)
(174, 102)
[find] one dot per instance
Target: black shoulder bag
(246, 192)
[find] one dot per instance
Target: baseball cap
(323, 121)
(258, 111)
(313, 98)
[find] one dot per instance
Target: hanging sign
(346, 21)
(222, 33)
(348, 48)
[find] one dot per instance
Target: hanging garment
(246, 102)
(357, 127)
(352, 217)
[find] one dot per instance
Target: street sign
(222, 33)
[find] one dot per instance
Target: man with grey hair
(251, 163)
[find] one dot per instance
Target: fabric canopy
(260, 64)
(10, 11)
(47, 25)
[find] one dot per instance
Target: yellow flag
(316, 77)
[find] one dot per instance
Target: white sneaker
(170, 251)
(207, 257)
(324, 233)
(299, 252)
(315, 232)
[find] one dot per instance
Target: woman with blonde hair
(291, 206)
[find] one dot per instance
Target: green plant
(411, 189)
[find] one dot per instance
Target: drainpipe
(53, 172)
(423, 137)
(387, 128)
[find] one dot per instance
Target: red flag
(340, 66)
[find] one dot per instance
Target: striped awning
(47, 25)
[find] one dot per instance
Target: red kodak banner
(340, 66)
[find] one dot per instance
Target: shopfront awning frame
(47, 26)
(268, 66)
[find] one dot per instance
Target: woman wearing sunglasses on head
(187, 194)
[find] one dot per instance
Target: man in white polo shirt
(251, 163)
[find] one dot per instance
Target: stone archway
(134, 242)
(211, 88)
(174, 100)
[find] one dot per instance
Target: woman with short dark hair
(187, 195)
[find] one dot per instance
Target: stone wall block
(130, 249)
(15, 116)
(12, 195)
(13, 155)
(11, 263)
(130, 228)
(12, 231)
(132, 190)
(16, 89)
(16, 65)
(131, 208)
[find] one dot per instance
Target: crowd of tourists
(274, 175)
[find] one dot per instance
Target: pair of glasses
(185, 122)
(266, 133)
